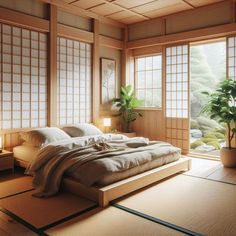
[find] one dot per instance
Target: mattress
(25, 153)
(28, 153)
(112, 177)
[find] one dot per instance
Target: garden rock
(196, 133)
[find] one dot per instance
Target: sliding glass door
(207, 70)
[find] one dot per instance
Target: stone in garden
(196, 133)
(205, 148)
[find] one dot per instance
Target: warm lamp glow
(107, 122)
(0, 144)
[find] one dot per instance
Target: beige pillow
(43, 136)
(79, 130)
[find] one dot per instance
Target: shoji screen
(231, 44)
(23, 78)
(74, 82)
(231, 62)
(177, 96)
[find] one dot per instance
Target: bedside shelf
(6, 160)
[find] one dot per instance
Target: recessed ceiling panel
(168, 10)
(85, 4)
(121, 15)
(132, 3)
(106, 9)
(157, 5)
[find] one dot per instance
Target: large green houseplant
(126, 103)
(222, 107)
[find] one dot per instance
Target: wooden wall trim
(193, 35)
(233, 6)
(22, 20)
(111, 43)
(147, 51)
(52, 78)
(76, 34)
(125, 59)
(96, 73)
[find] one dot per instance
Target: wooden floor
(208, 170)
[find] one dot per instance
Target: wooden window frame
(152, 70)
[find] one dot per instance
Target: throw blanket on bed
(52, 162)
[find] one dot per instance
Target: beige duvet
(90, 162)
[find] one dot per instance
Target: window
(148, 80)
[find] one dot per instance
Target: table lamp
(106, 123)
(0, 144)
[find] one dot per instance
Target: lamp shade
(107, 122)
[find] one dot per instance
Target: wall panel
(69, 19)
(111, 31)
(32, 7)
(202, 17)
(145, 29)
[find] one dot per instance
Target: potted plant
(126, 105)
(221, 106)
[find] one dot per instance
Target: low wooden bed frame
(103, 195)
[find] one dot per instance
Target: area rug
(111, 222)
(41, 212)
(15, 186)
(202, 206)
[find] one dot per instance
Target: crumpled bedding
(88, 159)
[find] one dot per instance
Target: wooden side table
(6, 160)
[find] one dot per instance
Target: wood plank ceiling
(132, 11)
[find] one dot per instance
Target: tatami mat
(41, 212)
(10, 226)
(14, 186)
(203, 206)
(111, 222)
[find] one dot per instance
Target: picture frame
(108, 80)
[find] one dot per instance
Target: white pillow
(43, 136)
(79, 130)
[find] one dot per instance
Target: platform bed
(104, 195)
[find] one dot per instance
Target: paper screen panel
(231, 57)
(177, 96)
(74, 81)
(231, 64)
(23, 78)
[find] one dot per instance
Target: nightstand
(6, 160)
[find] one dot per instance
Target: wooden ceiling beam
(188, 3)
